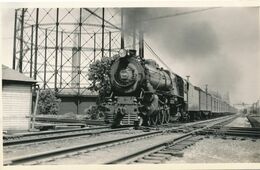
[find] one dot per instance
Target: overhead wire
(177, 14)
(157, 56)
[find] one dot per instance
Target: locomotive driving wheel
(154, 119)
(166, 116)
(160, 116)
(148, 121)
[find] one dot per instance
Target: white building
(16, 100)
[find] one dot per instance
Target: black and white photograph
(130, 85)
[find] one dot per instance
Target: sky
(218, 47)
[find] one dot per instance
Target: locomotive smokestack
(122, 29)
(134, 38)
(141, 43)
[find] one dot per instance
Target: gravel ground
(16, 151)
(215, 150)
(240, 122)
(112, 153)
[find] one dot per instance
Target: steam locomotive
(146, 94)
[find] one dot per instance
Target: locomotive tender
(145, 93)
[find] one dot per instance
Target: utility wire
(151, 50)
(177, 14)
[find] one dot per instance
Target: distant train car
(205, 108)
(209, 104)
(255, 108)
(193, 102)
(214, 102)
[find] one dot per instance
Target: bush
(69, 115)
(94, 113)
(99, 75)
(48, 103)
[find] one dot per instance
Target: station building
(16, 100)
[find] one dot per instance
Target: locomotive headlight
(122, 53)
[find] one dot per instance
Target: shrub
(48, 103)
(94, 113)
(99, 75)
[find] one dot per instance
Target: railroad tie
(180, 130)
(172, 153)
(197, 138)
(175, 130)
(166, 156)
(224, 137)
(179, 147)
(171, 149)
(188, 143)
(148, 161)
(151, 157)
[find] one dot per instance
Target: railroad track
(233, 131)
(69, 120)
(64, 152)
(160, 152)
(52, 135)
(163, 151)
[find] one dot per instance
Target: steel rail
(57, 152)
(32, 157)
(243, 133)
(46, 138)
(9, 141)
(67, 120)
(237, 128)
(52, 132)
(152, 149)
(155, 148)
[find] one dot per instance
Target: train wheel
(160, 116)
(154, 119)
(166, 116)
(149, 121)
(141, 121)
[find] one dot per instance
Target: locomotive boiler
(143, 92)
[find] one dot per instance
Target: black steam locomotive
(145, 93)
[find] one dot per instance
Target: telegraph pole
(122, 29)
(206, 96)
(188, 78)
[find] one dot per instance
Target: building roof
(13, 75)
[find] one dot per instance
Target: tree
(99, 75)
(94, 113)
(48, 103)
